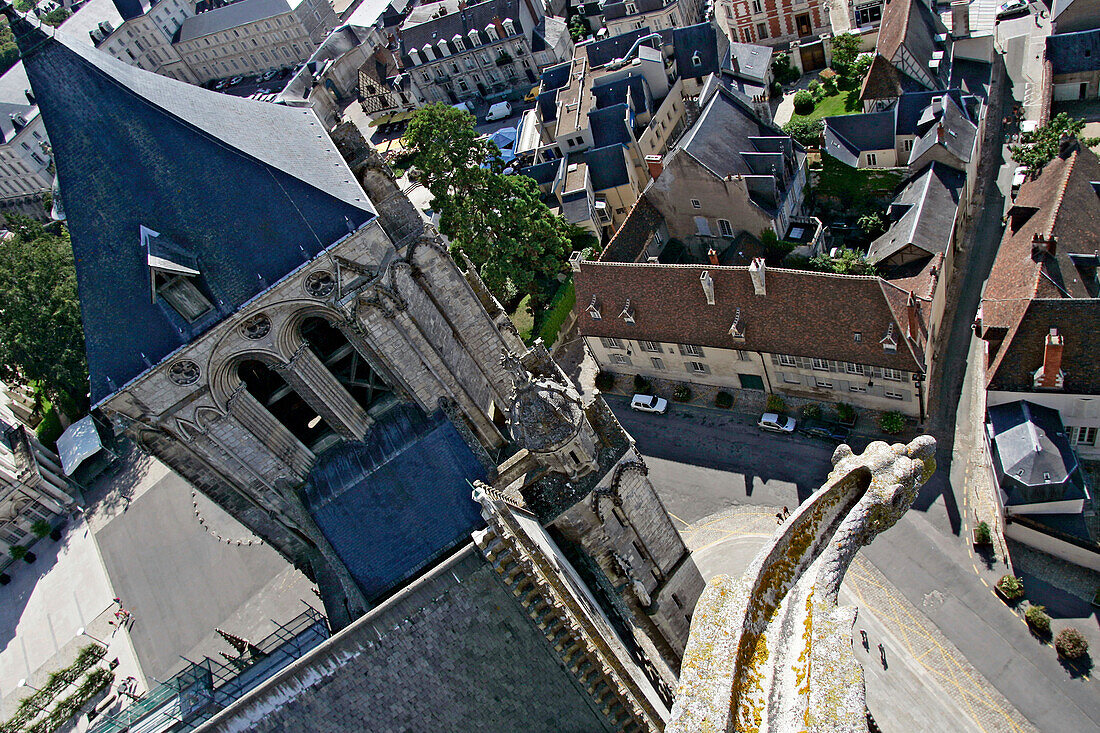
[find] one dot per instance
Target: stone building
(32, 484)
(312, 358)
(452, 51)
(774, 22)
(250, 36)
(24, 150)
(138, 32)
(622, 16)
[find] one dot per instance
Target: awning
(79, 442)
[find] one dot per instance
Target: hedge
(29, 707)
(555, 316)
(64, 711)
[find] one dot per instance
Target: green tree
(807, 132)
(56, 17)
(41, 338)
(9, 52)
(847, 262)
(498, 220)
(1039, 148)
(873, 224)
(845, 52)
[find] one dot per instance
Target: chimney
(712, 255)
(30, 96)
(756, 272)
(960, 18)
(735, 64)
(708, 286)
(939, 133)
(1041, 244)
(655, 165)
(1050, 376)
(1066, 145)
(937, 105)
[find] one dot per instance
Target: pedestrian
(117, 600)
(786, 512)
(882, 653)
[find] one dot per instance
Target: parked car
(824, 429)
(649, 403)
(236, 80)
(776, 423)
(499, 111)
(1018, 178)
(1012, 7)
(222, 84)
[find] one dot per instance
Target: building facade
(622, 17)
(251, 36)
(139, 33)
(452, 51)
(773, 22)
(25, 174)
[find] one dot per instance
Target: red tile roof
(806, 314)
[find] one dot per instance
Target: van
(499, 111)
(464, 106)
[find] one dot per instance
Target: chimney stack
(1050, 376)
(712, 255)
(939, 133)
(1041, 244)
(655, 165)
(756, 272)
(708, 286)
(960, 18)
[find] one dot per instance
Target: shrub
(1011, 586)
(605, 381)
(814, 88)
(806, 132)
(804, 102)
(641, 385)
(41, 528)
(723, 400)
(1038, 618)
(776, 89)
(775, 403)
(811, 411)
(17, 552)
(845, 412)
(1071, 643)
(872, 224)
(982, 535)
(892, 422)
(829, 86)
(554, 317)
(681, 393)
(782, 69)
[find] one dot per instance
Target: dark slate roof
(144, 150)
(543, 173)
(957, 138)
(384, 478)
(617, 9)
(1071, 53)
(911, 105)
(1032, 455)
(696, 43)
(630, 240)
(923, 213)
(609, 49)
(846, 137)
(723, 132)
(972, 77)
(231, 16)
(13, 99)
(609, 125)
(632, 87)
(132, 8)
(752, 61)
(420, 28)
(607, 166)
(555, 77)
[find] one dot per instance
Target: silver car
(776, 423)
(649, 403)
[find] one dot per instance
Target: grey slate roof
(721, 136)
(959, 134)
(13, 99)
(231, 16)
(420, 28)
(608, 49)
(612, 10)
(607, 167)
(847, 136)
(250, 190)
(922, 214)
(696, 43)
(911, 105)
(132, 8)
(1070, 53)
(752, 61)
(608, 125)
(1032, 455)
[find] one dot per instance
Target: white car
(1018, 178)
(498, 111)
(1012, 7)
(776, 423)
(649, 403)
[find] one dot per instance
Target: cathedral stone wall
(455, 651)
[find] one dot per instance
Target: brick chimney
(939, 133)
(1042, 244)
(712, 255)
(655, 165)
(756, 272)
(1050, 375)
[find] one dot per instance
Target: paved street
(706, 462)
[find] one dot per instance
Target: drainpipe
(764, 364)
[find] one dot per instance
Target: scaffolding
(206, 687)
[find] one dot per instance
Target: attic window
(631, 8)
(696, 60)
(737, 330)
(858, 337)
(889, 343)
(628, 313)
(172, 275)
(594, 309)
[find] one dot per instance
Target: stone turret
(547, 418)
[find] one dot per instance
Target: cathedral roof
(246, 191)
(545, 415)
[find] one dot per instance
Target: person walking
(882, 653)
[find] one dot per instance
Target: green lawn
(841, 103)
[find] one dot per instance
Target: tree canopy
(498, 220)
(1039, 148)
(41, 337)
(845, 49)
(846, 262)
